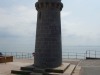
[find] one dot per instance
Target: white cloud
(17, 28)
(65, 13)
(76, 32)
(19, 20)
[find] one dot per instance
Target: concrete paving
(5, 68)
(90, 67)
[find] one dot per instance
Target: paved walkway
(90, 67)
(5, 69)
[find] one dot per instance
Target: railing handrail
(92, 53)
(92, 50)
(65, 54)
(26, 54)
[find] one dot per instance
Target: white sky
(80, 24)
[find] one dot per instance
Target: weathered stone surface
(70, 70)
(60, 69)
(49, 0)
(36, 74)
(48, 48)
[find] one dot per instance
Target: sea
(76, 49)
(80, 49)
(68, 51)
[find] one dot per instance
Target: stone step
(21, 72)
(59, 69)
(46, 74)
(31, 68)
(36, 74)
(77, 70)
(70, 70)
(65, 69)
(28, 68)
(53, 74)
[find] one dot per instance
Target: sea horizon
(76, 49)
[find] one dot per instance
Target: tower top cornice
(49, 0)
(46, 4)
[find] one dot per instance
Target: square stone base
(49, 71)
(31, 70)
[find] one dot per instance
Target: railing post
(31, 56)
(28, 55)
(95, 54)
(76, 55)
(5, 53)
(86, 54)
(68, 55)
(22, 55)
(16, 54)
(89, 53)
(25, 56)
(11, 53)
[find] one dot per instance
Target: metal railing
(65, 55)
(18, 55)
(23, 55)
(73, 55)
(92, 54)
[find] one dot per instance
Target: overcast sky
(80, 24)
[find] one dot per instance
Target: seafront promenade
(65, 54)
(5, 68)
(88, 67)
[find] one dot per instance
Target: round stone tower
(48, 46)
